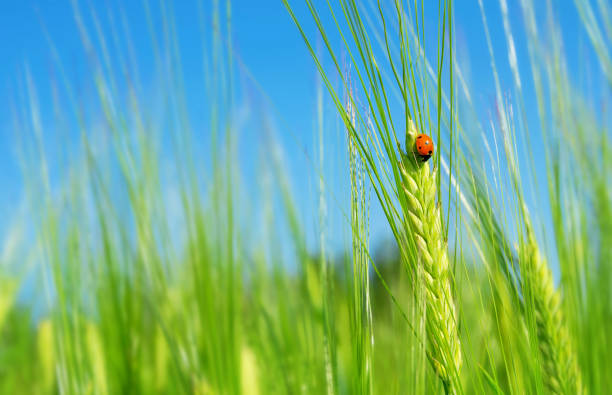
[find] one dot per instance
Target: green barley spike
(425, 227)
(560, 368)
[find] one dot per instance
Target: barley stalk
(361, 309)
(561, 373)
(424, 226)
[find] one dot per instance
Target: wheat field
(157, 249)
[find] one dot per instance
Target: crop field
(306, 197)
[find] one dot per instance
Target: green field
(142, 264)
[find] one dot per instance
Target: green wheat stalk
(361, 308)
(560, 368)
(542, 300)
(424, 226)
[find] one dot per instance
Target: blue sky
(269, 45)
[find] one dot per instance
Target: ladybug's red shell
(424, 146)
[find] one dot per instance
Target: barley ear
(560, 368)
(423, 225)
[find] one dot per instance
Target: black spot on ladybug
(430, 151)
(418, 137)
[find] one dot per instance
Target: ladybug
(424, 146)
